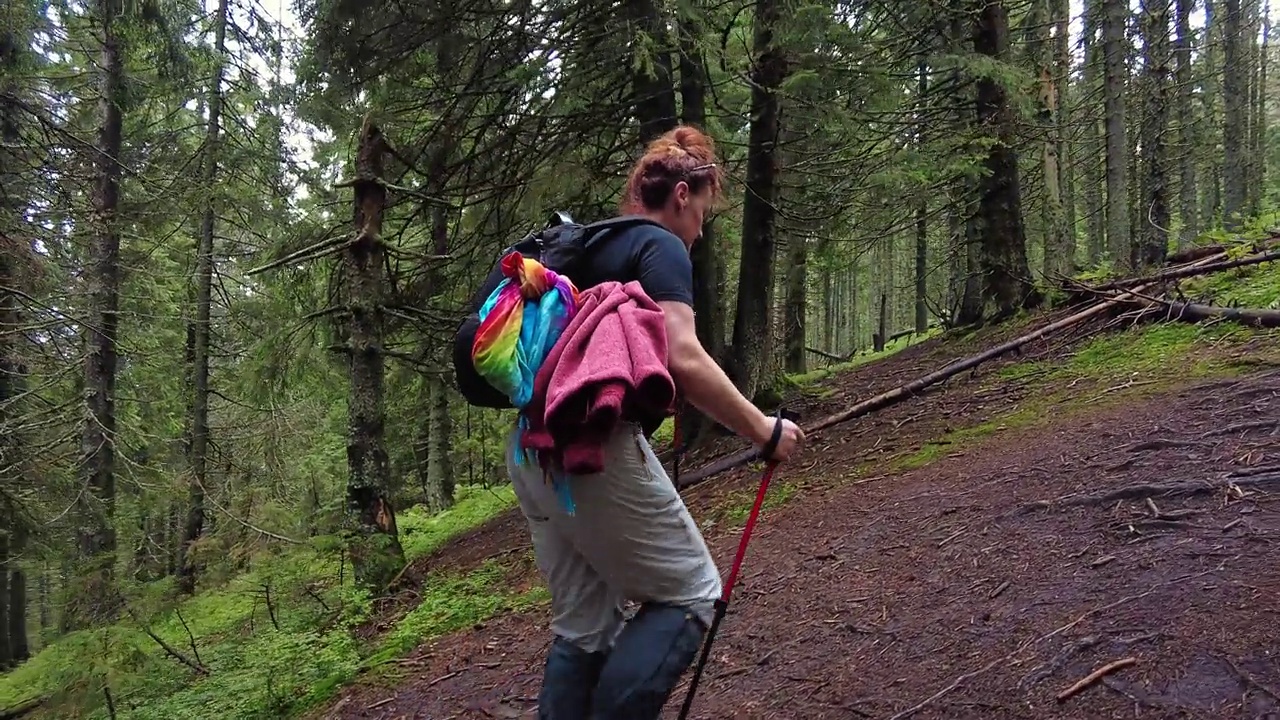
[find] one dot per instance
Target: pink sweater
(609, 366)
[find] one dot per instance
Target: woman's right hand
(789, 440)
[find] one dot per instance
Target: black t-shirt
(647, 253)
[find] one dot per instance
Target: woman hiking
(627, 534)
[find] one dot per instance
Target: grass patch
(737, 505)
(820, 374)
(263, 662)
(422, 533)
(1024, 416)
(452, 603)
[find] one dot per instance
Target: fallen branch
(1149, 490)
(1184, 271)
(22, 709)
(1192, 254)
(917, 386)
(1095, 676)
(1195, 312)
(831, 356)
(169, 649)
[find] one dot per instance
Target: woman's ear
(681, 195)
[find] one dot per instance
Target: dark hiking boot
(652, 651)
(567, 681)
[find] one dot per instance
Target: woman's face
(686, 213)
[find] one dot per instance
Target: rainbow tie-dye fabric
(519, 324)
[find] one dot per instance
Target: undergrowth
(272, 642)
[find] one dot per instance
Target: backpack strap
(599, 229)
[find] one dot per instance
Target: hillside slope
(905, 569)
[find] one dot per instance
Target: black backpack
(560, 246)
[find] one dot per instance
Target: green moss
(737, 506)
(422, 533)
(815, 376)
(1025, 416)
(452, 603)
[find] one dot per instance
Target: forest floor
(908, 564)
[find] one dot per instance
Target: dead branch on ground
(1195, 313)
(1180, 272)
(170, 650)
(1095, 676)
(22, 709)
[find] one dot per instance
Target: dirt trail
(937, 593)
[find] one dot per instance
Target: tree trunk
(751, 332)
(1061, 12)
(1188, 212)
(922, 212)
(1094, 152)
(1210, 134)
(6, 654)
(45, 610)
(19, 648)
(440, 482)
(1057, 255)
(376, 554)
(653, 91)
(1115, 13)
(707, 262)
(882, 325)
(1151, 245)
(1235, 104)
(795, 319)
(194, 525)
(998, 218)
(97, 599)
(1260, 182)
(12, 44)
(1259, 24)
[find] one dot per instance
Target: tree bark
(1093, 156)
(6, 654)
(653, 91)
(1260, 24)
(1188, 212)
(998, 220)
(1152, 245)
(1115, 14)
(376, 554)
(795, 320)
(751, 331)
(708, 275)
(1210, 132)
(19, 648)
(1061, 13)
(1235, 104)
(194, 524)
(922, 211)
(13, 42)
(440, 482)
(97, 599)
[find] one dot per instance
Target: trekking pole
(722, 605)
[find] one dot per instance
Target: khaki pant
(630, 538)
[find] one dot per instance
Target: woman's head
(675, 182)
